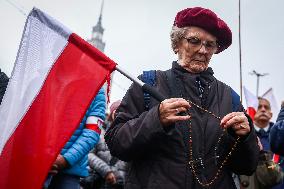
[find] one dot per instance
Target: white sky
(137, 36)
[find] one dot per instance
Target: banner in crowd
(269, 95)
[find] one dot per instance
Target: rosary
(191, 161)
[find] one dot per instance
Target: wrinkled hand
(170, 108)
(110, 178)
(61, 162)
(238, 122)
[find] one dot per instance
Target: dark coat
(159, 157)
(264, 137)
(277, 135)
(102, 162)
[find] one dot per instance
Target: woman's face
(196, 49)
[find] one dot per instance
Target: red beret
(207, 20)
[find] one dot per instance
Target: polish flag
(251, 101)
(55, 77)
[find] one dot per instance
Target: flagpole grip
(153, 92)
(146, 88)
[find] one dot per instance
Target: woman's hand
(61, 162)
(238, 122)
(170, 108)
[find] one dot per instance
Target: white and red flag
(251, 102)
(269, 95)
(55, 77)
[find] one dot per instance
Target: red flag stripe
(94, 127)
(276, 158)
(251, 112)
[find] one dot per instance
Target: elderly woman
(197, 149)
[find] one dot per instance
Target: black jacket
(277, 134)
(159, 157)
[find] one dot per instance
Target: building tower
(97, 41)
(97, 33)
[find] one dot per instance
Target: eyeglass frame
(202, 43)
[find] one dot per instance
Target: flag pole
(240, 54)
(151, 90)
(146, 87)
(126, 74)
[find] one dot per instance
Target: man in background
(266, 176)
(262, 122)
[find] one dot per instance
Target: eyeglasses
(196, 43)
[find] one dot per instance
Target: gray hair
(176, 35)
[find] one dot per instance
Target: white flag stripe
(51, 23)
(251, 99)
(93, 120)
(34, 61)
(269, 95)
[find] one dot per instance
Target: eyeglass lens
(196, 42)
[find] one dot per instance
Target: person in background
(277, 133)
(111, 115)
(209, 141)
(110, 168)
(71, 164)
(263, 178)
(262, 123)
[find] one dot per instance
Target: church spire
(101, 13)
(97, 33)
